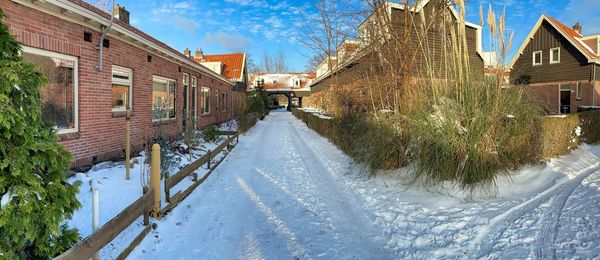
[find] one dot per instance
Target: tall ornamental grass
(469, 129)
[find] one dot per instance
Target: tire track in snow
(489, 234)
(552, 230)
(354, 222)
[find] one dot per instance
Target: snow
(286, 192)
(116, 194)
(6, 198)
(231, 125)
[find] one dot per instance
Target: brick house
(88, 103)
(231, 66)
(559, 65)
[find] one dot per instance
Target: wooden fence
(87, 247)
(190, 169)
(92, 244)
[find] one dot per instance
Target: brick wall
(547, 94)
(101, 132)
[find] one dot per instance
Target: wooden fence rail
(170, 182)
(87, 247)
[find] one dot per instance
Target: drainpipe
(593, 84)
(100, 46)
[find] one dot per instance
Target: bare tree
(279, 62)
(275, 63)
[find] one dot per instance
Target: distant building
(293, 85)
(232, 66)
(560, 65)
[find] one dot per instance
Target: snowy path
(285, 192)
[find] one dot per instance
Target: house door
(565, 99)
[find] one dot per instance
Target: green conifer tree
(35, 195)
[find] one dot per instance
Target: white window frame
(204, 91)
(217, 102)
(541, 58)
(128, 82)
(578, 91)
(195, 97)
(552, 55)
(187, 98)
(75, 61)
(167, 81)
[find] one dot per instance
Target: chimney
(122, 14)
(577, 27)
(199, 55)
(187, 53)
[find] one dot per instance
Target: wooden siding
(573, 64)
(435, 44)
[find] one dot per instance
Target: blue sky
(268, 26)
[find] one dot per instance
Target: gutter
(593, 84)
(104, 32)
(117, 31)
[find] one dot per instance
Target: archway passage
(289, 99)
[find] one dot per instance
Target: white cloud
(274, 21)
(229, 42)
(585, 12)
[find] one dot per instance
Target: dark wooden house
(423, 13)
(559, 65)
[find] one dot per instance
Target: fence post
(127, 144)
(95, 214)
(209, 159)
(155, 180)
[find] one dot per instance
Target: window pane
(206, 100)
(185, 99)
(58, 95)
(159, 100)
(120, 96)
(172, 99)
(193, 101)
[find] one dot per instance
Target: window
(186, 98)
(194, 99)
(121, 88)
(163, 96)
(59, 95)
(578, 90)
(554, 55)
(205, 101)
(217, 102)
(565, 87)
(297, 83)
(537, 58)
(224, 101)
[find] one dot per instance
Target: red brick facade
(100, 134)
(548, 95)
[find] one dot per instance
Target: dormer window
(554, 55)
(297, 83)
(537, 58)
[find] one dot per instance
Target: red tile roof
(574, 37)
(234, 64)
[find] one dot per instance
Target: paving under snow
(286, 192)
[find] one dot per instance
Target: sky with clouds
(268, 26)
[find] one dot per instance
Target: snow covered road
(285, 192)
